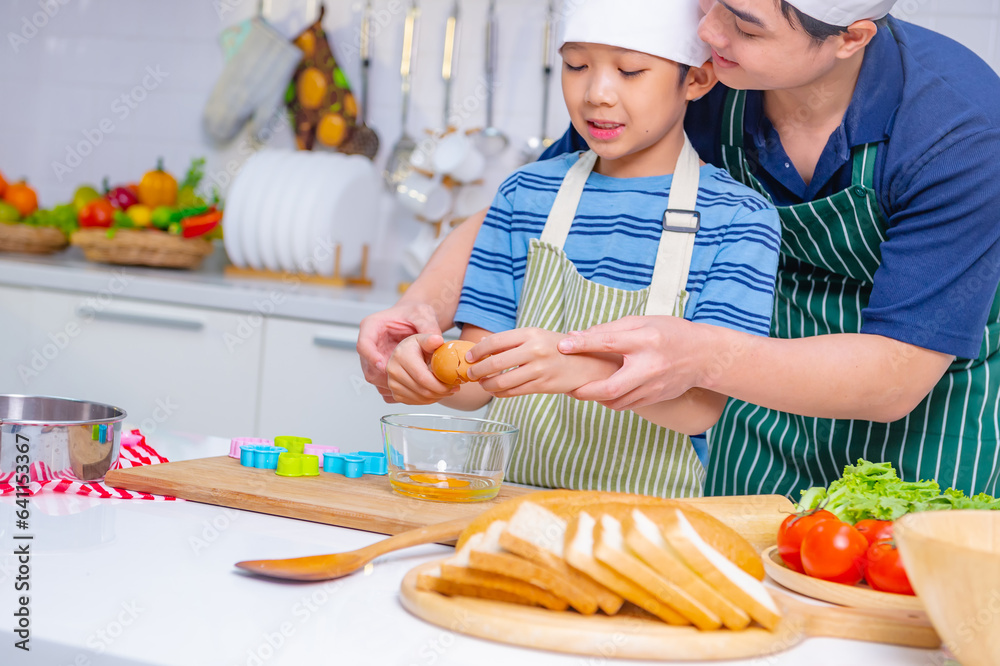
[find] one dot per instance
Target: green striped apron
(830, 250)
(567, 443)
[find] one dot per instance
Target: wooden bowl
(953, 561)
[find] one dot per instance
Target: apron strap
(568, 200)
(680, 224)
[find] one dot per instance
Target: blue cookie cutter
(354, 466)
(260, 456)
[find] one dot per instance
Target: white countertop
(206, 287)
(140, 582)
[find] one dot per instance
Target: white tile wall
(65, 65)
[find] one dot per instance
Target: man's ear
(859, 34)
(700, 80)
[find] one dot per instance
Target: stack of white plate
(290, 210)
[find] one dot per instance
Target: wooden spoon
(326, 567)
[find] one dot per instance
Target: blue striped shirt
(614, 240)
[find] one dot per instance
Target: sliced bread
(579, 552)
(490, 557)
(537, 534)
(431, 581)
(610, 550)
(643, 538)
(456, 569)
(729, 580)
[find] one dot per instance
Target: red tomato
(834, 551)
(97, 213)
(884, 569)
(790, 534)
(874, 530)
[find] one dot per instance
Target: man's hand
(656, 368)
(525, 360)
(382, 331)
(410, 380)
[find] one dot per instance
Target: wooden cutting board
(370, 504)
(366, 504)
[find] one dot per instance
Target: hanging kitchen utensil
(449, 64)
(491, 140)
(398, 166)
(323, 109)
(536, 145)
(259, 62)
(363, 140)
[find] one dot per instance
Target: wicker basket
(147, 247)
(18, 237)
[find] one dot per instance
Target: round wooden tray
(623, 636)
(852, 596)
(633, 636)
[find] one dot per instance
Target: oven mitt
(320, 103)
(252, 82)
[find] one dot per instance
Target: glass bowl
(447, 458)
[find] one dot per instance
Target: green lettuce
(874, 490)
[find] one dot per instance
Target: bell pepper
(200, 225)
(183, 213)
(121, 197)
(141, 215)
(97, 213)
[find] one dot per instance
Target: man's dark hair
(817, 30)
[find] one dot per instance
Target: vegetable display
(177, 210)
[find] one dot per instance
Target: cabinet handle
(347, 339)
(125, 317)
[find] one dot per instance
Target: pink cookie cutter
(237, 442)
(318, 450)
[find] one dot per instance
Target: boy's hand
(409, 378)
(525, 360)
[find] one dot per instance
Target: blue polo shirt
(933, 107)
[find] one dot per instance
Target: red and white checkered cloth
(135, 452)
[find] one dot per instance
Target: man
(875, 139)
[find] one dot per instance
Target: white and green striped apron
(567, 443)
(830, 250)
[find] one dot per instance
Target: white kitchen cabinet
(177, 368)
(312, 385)
(15, 324)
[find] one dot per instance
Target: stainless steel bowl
(45, 436)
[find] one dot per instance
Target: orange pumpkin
(158, 188)
(3, 185)
(21, 197)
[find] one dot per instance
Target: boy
(635, 225)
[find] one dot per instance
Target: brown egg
(448, 362)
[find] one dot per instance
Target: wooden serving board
(367, 503)
(852, 596)
(631, 635)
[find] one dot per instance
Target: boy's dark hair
(817, 30)
(684, 69)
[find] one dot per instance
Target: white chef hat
(843, 12)
(664, 28)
